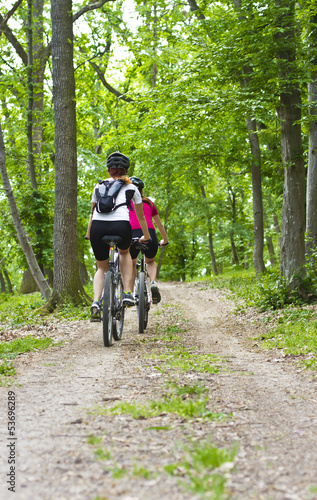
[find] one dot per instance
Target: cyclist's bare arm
(161, 229)
(141, 218)
(90, 221)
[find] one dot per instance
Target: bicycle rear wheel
(141, 301)
(118, 320)
(108, 309)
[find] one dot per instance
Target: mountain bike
(112, 297)
(142, 288)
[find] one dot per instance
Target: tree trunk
(311, 197)
(232, 201)
(235, 258)
(40, 55)
(2, 283)
(28, 284)
(210, 238)
(23, 239)
(7, 277)
(289, 112)
(154, 67)
(29, 71)
(258, 226)
(67, 283)
(258, 231)
(270, 248)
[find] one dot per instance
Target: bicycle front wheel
(146, 303)
(118, 320)
(108, 309)
(141, 302)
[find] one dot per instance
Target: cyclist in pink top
(151, 214)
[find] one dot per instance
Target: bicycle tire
(146, 304)
(141, 302)
(108, 307)
(119, 310)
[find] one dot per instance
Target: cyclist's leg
(101, 252)
(134, 254)
(95, 309)
(102, 267)
(151, 267)
(134, 271)
(126, 269)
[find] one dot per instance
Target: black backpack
(107, 192)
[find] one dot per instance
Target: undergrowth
(290, 314)
(17, 311)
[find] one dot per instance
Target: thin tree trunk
(2, 284)
(210, 238)
(235, 258)
(270, 248)
(154, 67)
(258, 231)
(39, 55)
(7, 277)
(232, 200)
(29, 71)
(23, 239)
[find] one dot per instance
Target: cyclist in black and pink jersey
(151, 214)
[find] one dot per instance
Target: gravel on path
(272, 402)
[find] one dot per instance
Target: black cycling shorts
(100, 228)
(153, 245)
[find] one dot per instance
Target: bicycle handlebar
(139, 245)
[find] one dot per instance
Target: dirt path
(273, 406)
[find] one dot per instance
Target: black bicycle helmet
(118, 160)
(137, 182)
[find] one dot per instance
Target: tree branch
(4, 28)
(12, 11)
(91, 6)
(194, 7)
(107, 85)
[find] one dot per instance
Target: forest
(213, 102)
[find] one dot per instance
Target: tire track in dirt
(274, 404)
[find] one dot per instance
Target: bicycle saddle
(111, 239)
